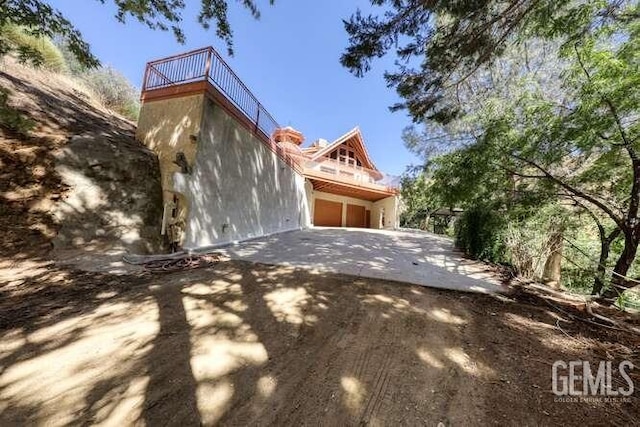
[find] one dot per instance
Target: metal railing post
(258, 118)
(146, 76)
(207, 68)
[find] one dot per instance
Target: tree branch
(612, 109)
(634, 201)
(484, 58)
(521, 175)
(573, 190)
(601, 230)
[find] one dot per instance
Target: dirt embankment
(78, 178)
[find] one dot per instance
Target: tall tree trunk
(553, 266)
(619, 281)
(605, 247)
(599, 279)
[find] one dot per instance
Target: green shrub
(522, 239)
(629, 300)
(577, 280)
(479, 233)
(37, 50)
(74, 66)
(528, 238)
(131, 110)
(12, 119)
(525, 248)
(114, 91)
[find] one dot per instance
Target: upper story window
(345, 155)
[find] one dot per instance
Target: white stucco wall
(391, 206)
(165, 126)
(239, 188)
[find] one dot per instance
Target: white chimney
(321, 143)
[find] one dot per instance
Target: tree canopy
(40, 19)
(440, 43)
(538, 109)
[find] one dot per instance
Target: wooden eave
(365, 191)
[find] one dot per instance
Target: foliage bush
(576, 279)
(75, 67)
(527, 247)
(113, 90)
(37, 50)
(110, 86)
(629, 299)
(479, 233)
(521, 239)
(12, 119)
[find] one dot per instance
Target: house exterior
(231, 173)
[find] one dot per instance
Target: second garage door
(327, 213)
(356, 216)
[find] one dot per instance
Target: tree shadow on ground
(249, 343)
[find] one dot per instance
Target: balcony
(347, 172)
(181, 73)
(334, 177)
(204, 71)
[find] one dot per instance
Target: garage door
(327, 213)
(356, 216)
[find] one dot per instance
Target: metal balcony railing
(346, 173)
(207, 65)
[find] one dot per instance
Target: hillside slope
(77, 178)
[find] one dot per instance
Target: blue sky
(289, 59)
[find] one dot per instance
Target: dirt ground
(245, 344)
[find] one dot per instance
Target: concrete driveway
(404, 256)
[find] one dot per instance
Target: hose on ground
(187, 262)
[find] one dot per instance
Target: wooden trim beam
(175, 91)
(376, 188)
(348, 191)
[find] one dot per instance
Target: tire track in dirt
(376, 397)
(361, 362)
(304, 391)
(363, 357)
(376, 369)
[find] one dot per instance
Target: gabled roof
(311, 150)
(355, 136)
